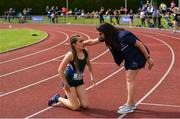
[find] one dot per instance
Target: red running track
(28, 77)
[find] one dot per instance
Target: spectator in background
(75, 12)
(57, 12)
(82, 13)
(24, 14)
(172, 5)
(5, 15)
(70, 12)
(176, 19)
(168, 19)
(155, 16)
(159, 18)
(101, 15)
(131, 17)
(163, 7)
(122, 10)
(47, 9)
(142, 18)
(64, 10)
(53, 15)
(110, 13)
(49, 15)
(117, 16)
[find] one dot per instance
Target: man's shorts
(136, 63)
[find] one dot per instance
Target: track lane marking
(23, 69)
(32, 66)
(47, 48)
(38, 51)
(161, 105)
(99, 82)
(19, 89)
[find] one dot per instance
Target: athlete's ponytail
(73, 39)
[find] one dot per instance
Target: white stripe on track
(19, 89)
(28, 86)
(166, 35)
(99, 82)
(38, 51)
(162, 79)
(23, 69)
(160, 105)
(16, 71)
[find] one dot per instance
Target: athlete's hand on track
(150, 63)
(67, 87)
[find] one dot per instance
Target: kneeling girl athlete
(71, 72)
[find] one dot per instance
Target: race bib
(78, 77)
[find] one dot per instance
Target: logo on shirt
(123, 46)
(134, 64)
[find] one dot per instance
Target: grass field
(16, 38)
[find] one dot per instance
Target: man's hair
(110, 34)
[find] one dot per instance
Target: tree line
(38, 6)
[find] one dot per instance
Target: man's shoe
(133, 106)
(125, 109)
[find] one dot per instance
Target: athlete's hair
(73, 39)
(110, 34)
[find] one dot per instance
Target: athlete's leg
(131, 85)
(83, 97)
(72, 102)
(175, 25)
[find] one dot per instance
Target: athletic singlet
(82, 62)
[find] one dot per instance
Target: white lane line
(160, 105)
(177, 38)
(47, 48)
(99, 82)
(164, 76)
(38, 51)
(1, 93)
(19, 89)
(16, 71)
(28, 86)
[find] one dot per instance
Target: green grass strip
(17, 38)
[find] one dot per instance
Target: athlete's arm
(92, 42)
(68, 58)
(90, 69)
(140, 45)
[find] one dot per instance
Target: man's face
(101, 34)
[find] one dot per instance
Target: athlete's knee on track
(85, 105)
(75, 107)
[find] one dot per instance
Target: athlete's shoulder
(69, 55)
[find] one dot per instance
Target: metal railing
(90, 19)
